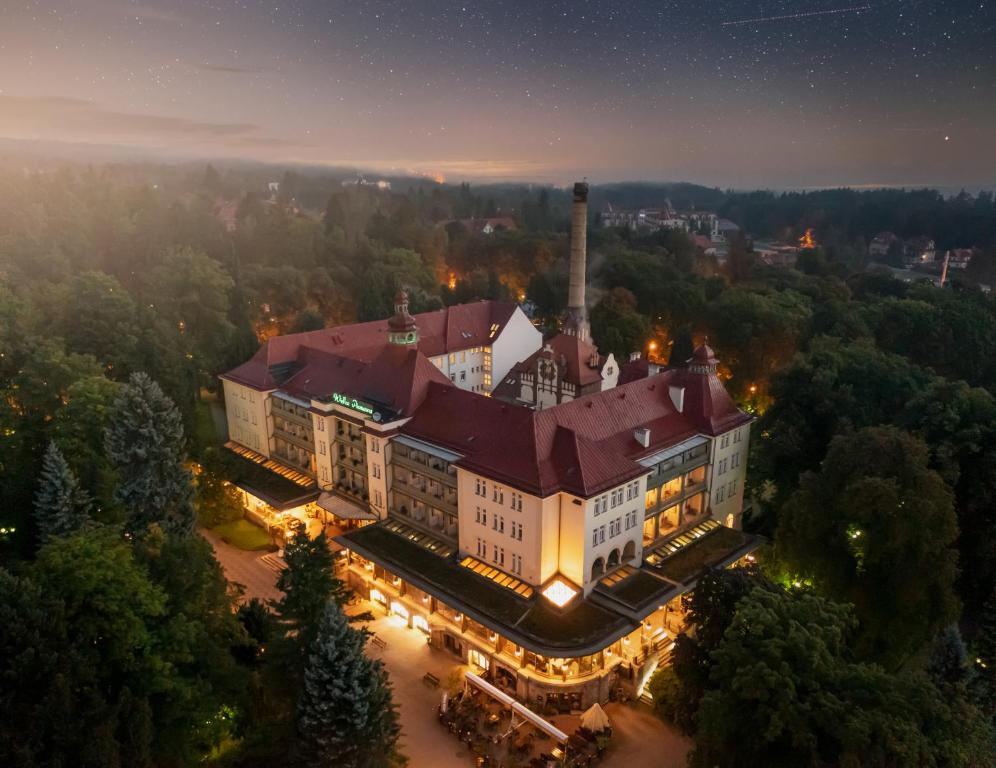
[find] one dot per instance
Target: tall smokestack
(577, 315)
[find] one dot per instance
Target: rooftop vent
(642, 436)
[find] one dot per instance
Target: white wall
(532, 518)
(593, 523)
(465, 368)
(247, 412)
(610, 372)
(517, 341)
(728, 471)
(324, 431)
(377, 460)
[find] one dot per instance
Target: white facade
(517, 341)
(248, 415)
(728, 471)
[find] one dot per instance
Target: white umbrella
(595, 719)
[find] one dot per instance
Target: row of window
(497, 494)
(727, 491)
(615, 528)
(731, 463)
(498, 523)
(244, 414)
(614, 499)
(498, 556)
(724, 441)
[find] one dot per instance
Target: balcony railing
(307, 442)
(434, 468)
(444, 500)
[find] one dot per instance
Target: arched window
(629, 551)
(597, 569)
(613, 558)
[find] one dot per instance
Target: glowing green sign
(353, 403)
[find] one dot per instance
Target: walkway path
(640, 739)
(255, 572)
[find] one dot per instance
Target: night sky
(743, 94)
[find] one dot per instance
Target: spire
(402, 328)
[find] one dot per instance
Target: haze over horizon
(730, 94)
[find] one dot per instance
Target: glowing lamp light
(559, 593)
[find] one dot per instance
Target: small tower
(401, 329)
(703, 361)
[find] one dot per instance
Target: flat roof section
(276, 490)
(581, 629)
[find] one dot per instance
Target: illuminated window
(559, 592)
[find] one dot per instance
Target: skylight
(559, 592)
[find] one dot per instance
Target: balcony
(423, 519)
(434, 468)
(675, 467)
(290, 412)
(346, 436)
(305, 441)
(447, 501)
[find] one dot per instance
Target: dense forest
(866, 637)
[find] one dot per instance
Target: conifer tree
(308, 583)
(61, 505)
(144, 443)
(345, 715)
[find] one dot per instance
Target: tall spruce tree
(61, 505)
(144, 443)
(346, 716)
(308, 583)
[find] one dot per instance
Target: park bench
(430, 679)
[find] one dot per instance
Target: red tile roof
(446, 330)
(573, 354)
(397, 377)
(584, 446)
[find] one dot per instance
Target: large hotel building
(509, 498)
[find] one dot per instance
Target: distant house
(919, 250)
(362, 181)
(959, 258)
(777, 254)
(656, 219)
(226, 211)
(881, 244)
(726, 228)
(484, 226)
(705, 243)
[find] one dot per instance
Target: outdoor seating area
(497, 733)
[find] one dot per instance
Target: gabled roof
(446, 330)
(583, 446)
(573, 354)
(397, 377)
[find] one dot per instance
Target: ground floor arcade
(548, 683)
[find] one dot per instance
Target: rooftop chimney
(577, 315)
(642, 436)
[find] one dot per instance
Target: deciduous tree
(875, 527)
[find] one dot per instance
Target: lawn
(244, 535)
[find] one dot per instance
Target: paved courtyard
(640, 740)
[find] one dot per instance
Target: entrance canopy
(344, 510)
(548, 728)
